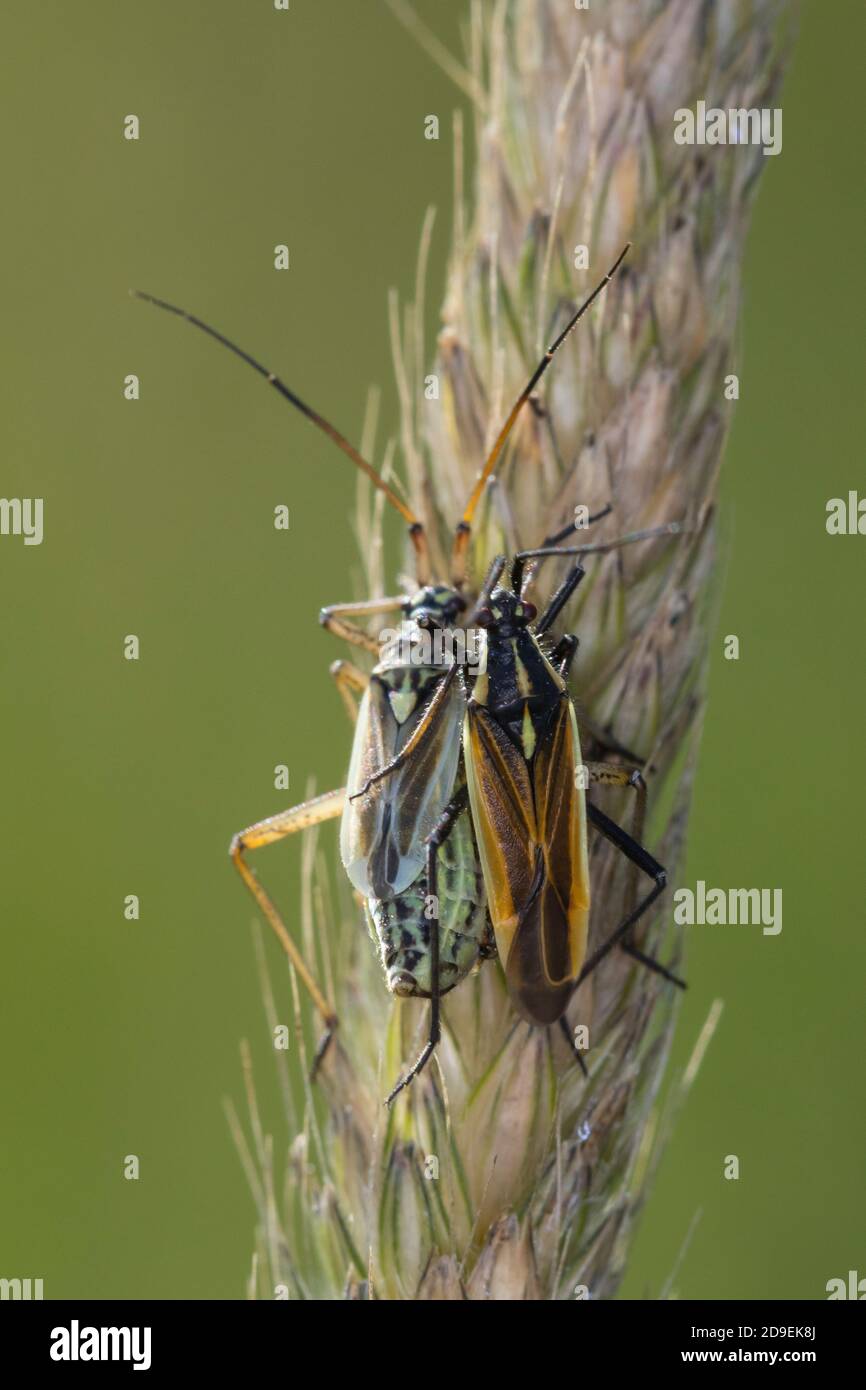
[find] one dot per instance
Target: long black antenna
(324, 425)
(461, 539)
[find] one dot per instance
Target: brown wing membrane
(500, 795)
(531, 829)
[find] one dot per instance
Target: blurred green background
(122, 1037)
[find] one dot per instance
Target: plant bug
(529, 809)
(400, 832)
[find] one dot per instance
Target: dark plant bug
(526, 782)
(406, 844)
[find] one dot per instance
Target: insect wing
(530, 824)
(383, 832)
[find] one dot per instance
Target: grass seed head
(501, 1173)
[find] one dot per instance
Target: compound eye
(484, 617)
(528, 611)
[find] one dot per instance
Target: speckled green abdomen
(402, 928)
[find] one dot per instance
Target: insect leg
(437, 837)
(604, 738)
(611, 775)
(562, 658)
(559, 600)
(268, 832)
(564, 653)
(651, 867)
(569, 1038)
(339, 619)
(348, 679)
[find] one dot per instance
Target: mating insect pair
(464, 820)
